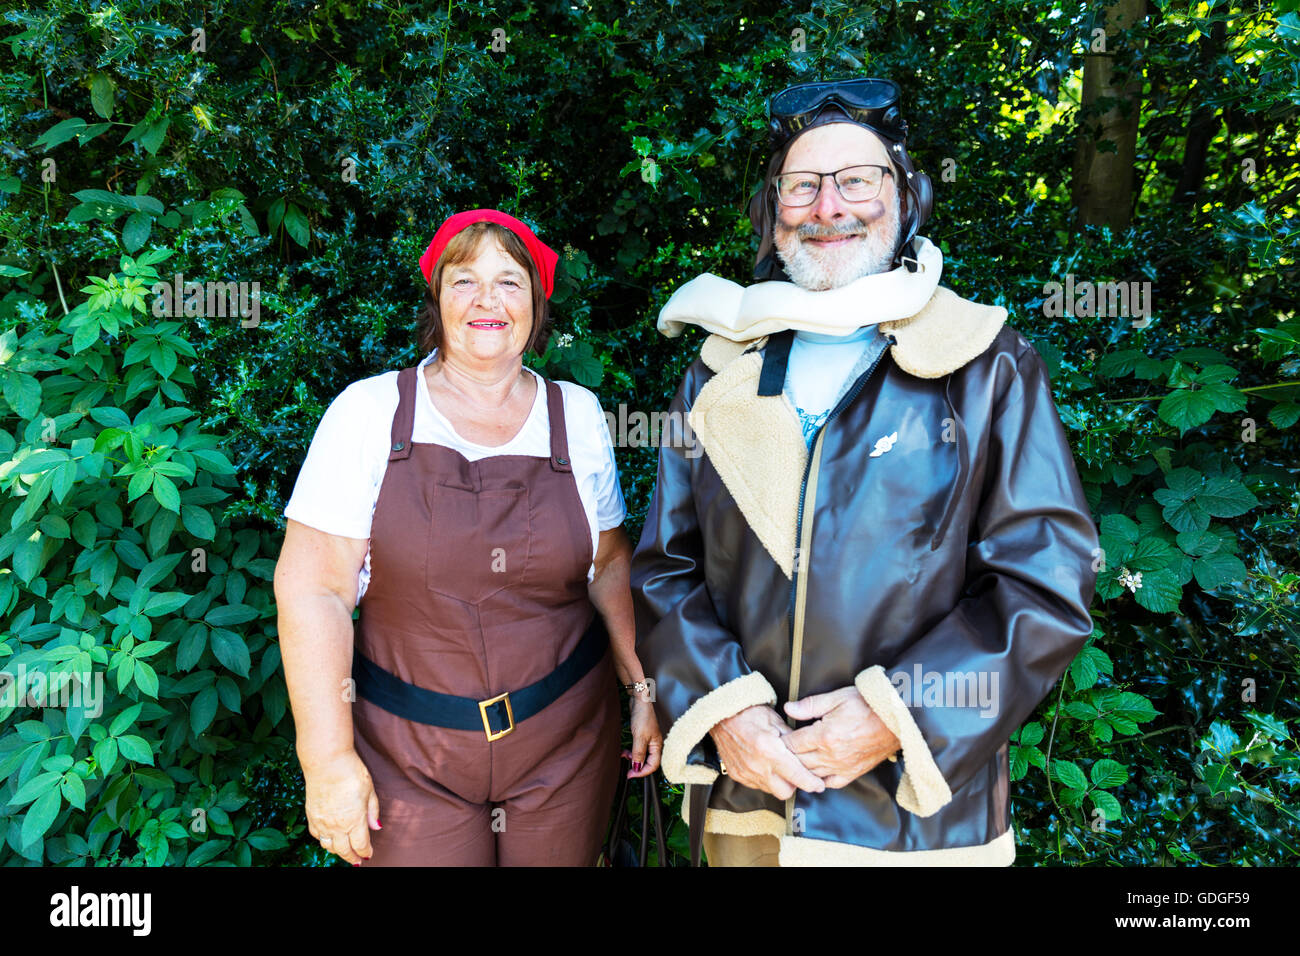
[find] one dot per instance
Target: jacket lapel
(755, 442)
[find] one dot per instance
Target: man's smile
(833, 242)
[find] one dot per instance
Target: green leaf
(135, 231)
(152, 137)
(146, 678)
(1069, 774)
(106, 756)
(165, 603)
(164, 489)
(1219, 778)
(1120, 526)
(1186, 515)
(1150, 554)
(206, 852)
(213, 461)
(1107, 804)
(267, 839)
(1083, 670)
(1215, 570)
(123, 721)
(1160, 591)
(1019, 763)
(75, 790)
(110, 416)
(295, 223)
(1284, 414)
(1273, 728)
(198, 522)
(40, 816)
(102, 89)
(1031, 733)
(1109, 773)
(33, 788)
(230, 650)
(156, 570)
(191, 647)
(1225, 498)
(135, 748)
(23, 393)
(229, 614)
(85, 336)
(1222, 738)
(1186, 483)
(1186, 408)
(1198, 543)
(139, 484)
(203, 709)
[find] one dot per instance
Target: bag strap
(698, 796)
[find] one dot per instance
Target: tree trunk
(1204, 123)
(1108, 123)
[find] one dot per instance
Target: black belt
(396, 696)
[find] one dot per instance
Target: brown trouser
(478, 588)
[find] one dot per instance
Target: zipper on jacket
(801, 557)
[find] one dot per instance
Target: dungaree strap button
(561, 461)
(398, 446)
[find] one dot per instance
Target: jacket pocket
(478, 541)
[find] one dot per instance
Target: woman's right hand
(342, 806)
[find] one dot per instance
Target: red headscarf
(542, 254)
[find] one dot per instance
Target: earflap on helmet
(919, 191)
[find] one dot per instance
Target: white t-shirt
(339, 481)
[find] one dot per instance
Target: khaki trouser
(725, 849)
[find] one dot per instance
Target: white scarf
(741, 313)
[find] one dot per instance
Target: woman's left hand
(647, 741)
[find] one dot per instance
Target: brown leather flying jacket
(947, 576)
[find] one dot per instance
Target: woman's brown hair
(463, 247)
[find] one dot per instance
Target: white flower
(563, 340)
(1130, 581)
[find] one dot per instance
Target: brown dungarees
(478, 587)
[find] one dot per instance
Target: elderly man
(883, 560)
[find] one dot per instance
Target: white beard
(833, 268)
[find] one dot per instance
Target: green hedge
(314, 147)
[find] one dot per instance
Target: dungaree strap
(404, 417)
(559, 436)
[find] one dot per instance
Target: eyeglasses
(854, 183)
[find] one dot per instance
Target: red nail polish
(378, 825)
(637, 766)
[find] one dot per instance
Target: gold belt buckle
(483, 705)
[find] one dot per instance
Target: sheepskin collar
(755, 442)
(943, 336)
(743, 313)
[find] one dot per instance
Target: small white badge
(883, 445)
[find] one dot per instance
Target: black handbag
(620, 847)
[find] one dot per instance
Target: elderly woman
(471, 509)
